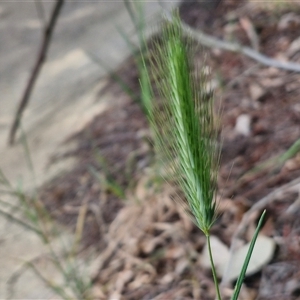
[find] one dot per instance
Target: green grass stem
(213, 268)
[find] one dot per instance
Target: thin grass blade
(247, 259)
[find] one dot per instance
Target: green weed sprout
(183, 125)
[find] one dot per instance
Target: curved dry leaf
(139, 280)
(262, 253)
(123, 278)
(256, 92)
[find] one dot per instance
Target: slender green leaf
(247, 259)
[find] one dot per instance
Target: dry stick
(250, 214)
(36, 70)
(210, 41)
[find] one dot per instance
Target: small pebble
(242, 125)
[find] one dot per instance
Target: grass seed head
(183, 123)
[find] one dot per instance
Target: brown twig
(48, 31)
(210, 41)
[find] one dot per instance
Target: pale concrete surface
(64, 100)
(70, 76)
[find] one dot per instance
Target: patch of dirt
(110, 153)
(151, 250)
